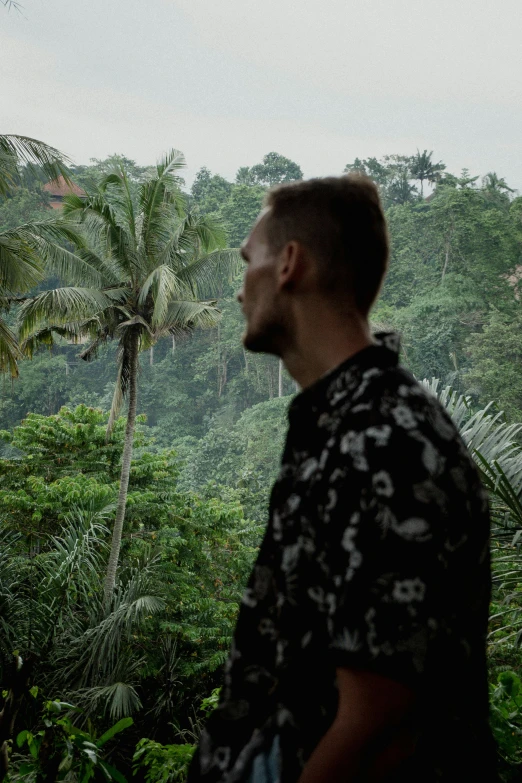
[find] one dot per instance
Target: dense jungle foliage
(108, 679)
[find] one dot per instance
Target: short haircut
(340, 220)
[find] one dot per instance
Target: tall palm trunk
(110, 577)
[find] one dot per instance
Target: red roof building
(58, 188)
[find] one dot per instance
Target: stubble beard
(265, 340)
(259, 343)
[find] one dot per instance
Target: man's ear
(291, 265)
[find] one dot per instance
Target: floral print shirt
(376, 556)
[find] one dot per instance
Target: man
(359, 652)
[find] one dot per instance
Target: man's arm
(371, 734)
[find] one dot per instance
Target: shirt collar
(341, 382)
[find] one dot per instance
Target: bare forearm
(335, 759)
(346, 755)
(371, 735)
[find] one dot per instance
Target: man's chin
(258, 343)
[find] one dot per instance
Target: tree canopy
(132, 270)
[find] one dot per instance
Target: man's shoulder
(392, 396)
(401, 446)
(392, 422)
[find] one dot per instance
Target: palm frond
(46, 586)
(172, 161)
(180, 243)
(80, 547)
(46, 240)
(183, 316)
(123, 379)
(496, 449)
(208, 273)
(18, 150)
(201, 232)
(10, 352)
(162, 285)
(74, 332)
(118, 178)
(488, 436)
(160, 202)
(457, 405)
(97, 650)
(119, 699)
(41, 337)
(117, 401)
(91, 351)
(20, 266)
(502, 487)
(104, 231)
(11, 4)
(63, 305)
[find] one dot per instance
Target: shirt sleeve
(386, 593)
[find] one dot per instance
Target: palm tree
(495, 184)
(138, 275)
(20, 249)
(424, 169)
(400, 190)
(496, 191)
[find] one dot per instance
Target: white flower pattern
(408, 590)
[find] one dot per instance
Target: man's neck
(323, 341)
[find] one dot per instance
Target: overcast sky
(226, 81)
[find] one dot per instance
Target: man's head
(322, 239)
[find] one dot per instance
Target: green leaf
(33, 748)
(112, 773)
(66, 763)
(88, 774)
(91, 755)
(122, 724)
(510, 683)
(58, 706)
(21, 738)
(34, 691)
